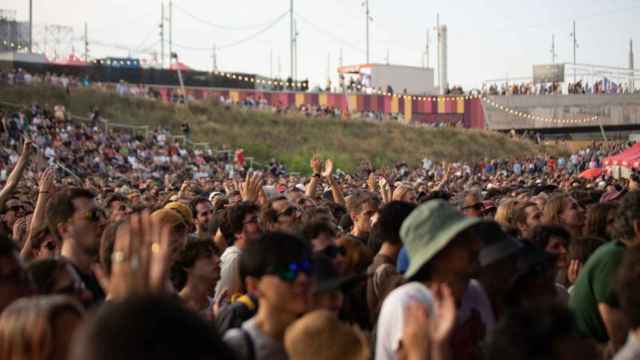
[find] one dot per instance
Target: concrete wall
(612, 110)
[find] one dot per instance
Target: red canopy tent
(178, 65)
(628, 158)
(72, 59)
(591, 173)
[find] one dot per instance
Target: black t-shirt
(91, 283)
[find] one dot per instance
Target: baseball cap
(168, 217)
(182, 210)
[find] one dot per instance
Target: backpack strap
(251, 351)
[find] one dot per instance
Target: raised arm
(16, 174)
(45, 188)
(316, 167)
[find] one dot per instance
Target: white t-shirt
(391, 319)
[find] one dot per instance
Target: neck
(389, 250)
(273, 323)
(357, 232)
(201, 233)
(195, 295)
(239, 243)
(76, 256)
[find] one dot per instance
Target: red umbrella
(591, 173)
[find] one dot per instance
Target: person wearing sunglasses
(321, 235)
(278, 269)
(77, 222)
(472, 204)
(288, 216)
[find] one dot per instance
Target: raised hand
(445, 315)
(316, 164)
(26, 147)
(46, 181)
(328, 168)
(573, 271)
(250, 189)
(140, 259)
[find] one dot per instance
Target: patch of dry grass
(292, 139)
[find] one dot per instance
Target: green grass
(292, 139)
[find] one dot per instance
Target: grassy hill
(292, 139)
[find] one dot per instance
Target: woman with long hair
(564, 210)
(600, 219)
(38, 328)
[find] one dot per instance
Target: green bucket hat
(429, 229)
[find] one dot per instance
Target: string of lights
(527, 116)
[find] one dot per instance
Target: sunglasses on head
(290, 273)
(332, 251)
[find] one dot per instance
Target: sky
(488, 39)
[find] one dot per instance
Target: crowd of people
(580, 87)
(115, 245)
(120, 246)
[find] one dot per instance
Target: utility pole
(632, 84)
(292, 41)
(214, 58)
(340, 60)
(554, 55)
(295, 50)
(574, 43)
(368, 18)
(162, 35)
(30, 26)
(386, 59)
(425, 60)
(86, 43)
(171, 32)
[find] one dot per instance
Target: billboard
(548, 73)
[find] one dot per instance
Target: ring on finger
(117, 257)
(155, 247)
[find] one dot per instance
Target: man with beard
(202, 210)
(241, 220)
(199, 266)
(75, 219)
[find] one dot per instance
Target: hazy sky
(488, 39)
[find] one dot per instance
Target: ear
(62, 229)
(251, 284)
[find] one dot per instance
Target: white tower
(442, 59)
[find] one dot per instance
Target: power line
(218, 26)
(330, 35)
(238, 42)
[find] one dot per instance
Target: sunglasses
(290, 211)
(290, 274)
(476, 206)
(94, 215)
(332, 251)
(17, 209)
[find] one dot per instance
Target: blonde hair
(553, 208)
(319, 335)
(504, 213)
(26, 327)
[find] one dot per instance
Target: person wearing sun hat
(443, 247)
